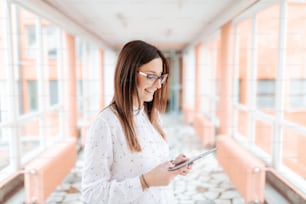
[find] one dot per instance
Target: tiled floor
(205, 184)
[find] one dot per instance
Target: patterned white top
(111, 171)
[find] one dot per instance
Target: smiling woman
(126, 155)
(152, 82)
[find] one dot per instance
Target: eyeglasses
(153, 78)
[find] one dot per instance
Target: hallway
(206, 184)
(237, 75)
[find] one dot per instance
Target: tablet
(191, 161)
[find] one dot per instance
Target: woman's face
(146, 85)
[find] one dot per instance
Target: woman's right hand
(160, 176)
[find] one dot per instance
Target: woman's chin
(148, 99)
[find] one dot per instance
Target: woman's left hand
(182, 158)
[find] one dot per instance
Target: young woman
(126, 157)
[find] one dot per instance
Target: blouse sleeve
(97, 183)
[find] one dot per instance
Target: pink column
(225, 69)
(198, 67)
(70, 100)
(183, 75)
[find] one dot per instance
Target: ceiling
(172, 23)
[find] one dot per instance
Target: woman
(126, 152)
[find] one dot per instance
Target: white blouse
(111, 171)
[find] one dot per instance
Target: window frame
(278, 121)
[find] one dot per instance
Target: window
(50, 35)
(32, 95)
(80, 94)
(31, 41)
(298, 93)
(265, 94)
(239, 91)
(79, 48)
(53, 92)
(51, 40)
(277, 137)
(209, 83)
(244, 62)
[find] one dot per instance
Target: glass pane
(91, 86)
(27, 87)
(295, 95)
(244, 32)
(4, 140)
(82, 58)
(264, 133)
(294, 151)
(205, 72)
(28, 34)
(80, 95)
(2, 46)
(215, 92)
(50, 38)
(32, 95)
(243, 124)
(295, 88)
(266, 94)
(29, 136)
(52, 126)
(31, 41)
(267, 58)
(28, 130)
(4, 149)
(53, 92)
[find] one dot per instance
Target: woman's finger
(180, 158)
(189, 166)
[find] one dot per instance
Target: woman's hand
(161, 176)
(179, 159)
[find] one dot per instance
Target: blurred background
(238, 77)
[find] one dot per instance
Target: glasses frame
(153, 77)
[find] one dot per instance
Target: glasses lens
(151, 77)
(154, 78)
(163, 78)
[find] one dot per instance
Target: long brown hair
(133, 55)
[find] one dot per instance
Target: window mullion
(280, 96)
(14, 140)
(252, 84)
(41, 83)
(86, 65)
(60, 75)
